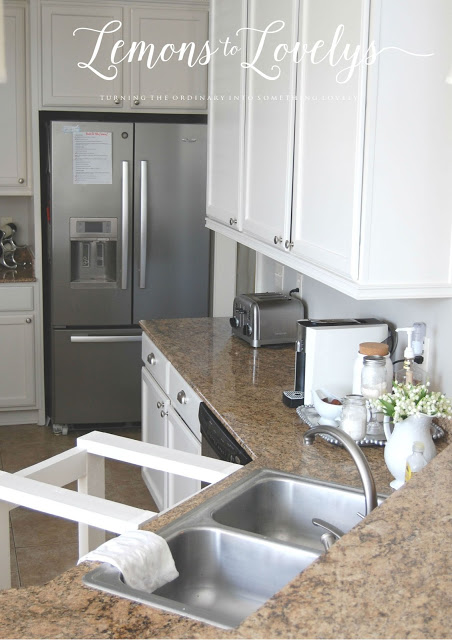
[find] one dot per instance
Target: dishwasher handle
(105, 339)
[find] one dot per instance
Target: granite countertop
(390, 577)
(25, 271)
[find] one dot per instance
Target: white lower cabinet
(181, 439)
(21, 388)
(154, 404)
(164, 426)
(17, 374)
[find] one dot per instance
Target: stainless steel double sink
(242, 546)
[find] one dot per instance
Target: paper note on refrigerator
(91, 161)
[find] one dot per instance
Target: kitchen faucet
(370, 493)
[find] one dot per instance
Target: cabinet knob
(117, 101)
(21, 181)
(182, 397)
(288, 245)
(159, 404)
(232, 221)
(151, 359)
(277, 239)
(28, 320)
(163, 413)
(137, 102)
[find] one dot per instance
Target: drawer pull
(182, 397)
(151, 359)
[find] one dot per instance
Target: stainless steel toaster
(266, 318)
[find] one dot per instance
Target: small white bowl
(330, 413)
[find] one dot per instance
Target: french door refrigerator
(127, 242)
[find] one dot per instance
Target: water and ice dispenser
(94, 251)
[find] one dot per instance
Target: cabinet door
(407, 201)
(270, 121)
(181, 438)
(154, 430)
(329, 140)
(172, 84)
(226, 126)
(17, 373)
(14, 178)
(64, 83)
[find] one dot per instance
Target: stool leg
(93, 484)
(5, 550)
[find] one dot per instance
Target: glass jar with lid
(373, 385)
(354, 416)
(372, 349)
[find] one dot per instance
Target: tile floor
(44, 546)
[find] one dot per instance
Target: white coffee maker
(325, 353)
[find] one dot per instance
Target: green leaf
(388, 407)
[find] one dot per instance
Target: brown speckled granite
(24, 272)
(389, 577)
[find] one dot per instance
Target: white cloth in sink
(143, 558)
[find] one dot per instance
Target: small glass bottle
(354, 416)
(373, 385)
(416, 461)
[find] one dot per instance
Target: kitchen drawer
(155, 362)
(184, 400)
(16, 298)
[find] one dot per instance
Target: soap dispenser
(411, 372)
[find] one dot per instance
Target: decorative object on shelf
(412, 409)
(309, 416)
(8, 247)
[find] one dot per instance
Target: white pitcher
(399, 444)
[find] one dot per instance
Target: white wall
(324, 302)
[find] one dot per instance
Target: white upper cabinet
(354, 189)
(270, 120)
(329, 136)
(173, 84)
(106, 56)
(226, 124)
(15, 172)
(70, 34)
(407, 200)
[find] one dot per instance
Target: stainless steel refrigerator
(127, 242)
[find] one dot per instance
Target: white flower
(408, 399)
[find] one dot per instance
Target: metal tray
(310, 416)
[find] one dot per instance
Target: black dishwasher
(216, 441)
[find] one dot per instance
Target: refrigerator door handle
(105, 338)
(143, 223)
(125, 224)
